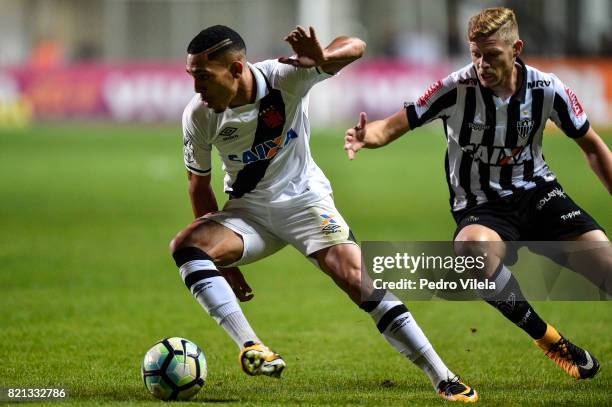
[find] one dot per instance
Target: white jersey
(494, 146)
(287, 174)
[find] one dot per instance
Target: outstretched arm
(376, 134)
(309, 53)
(598, 155)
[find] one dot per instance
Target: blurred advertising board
(590, 79)
(130, 92)
(147, 92)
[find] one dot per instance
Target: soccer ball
(174, 369)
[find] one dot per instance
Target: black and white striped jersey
(494, 145)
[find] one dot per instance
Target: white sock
(399, 328)
(215, 295)
(236, 325)
(433, 367)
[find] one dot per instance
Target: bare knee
(478, 240)
(187, 236)
(220, 243)
(474, 239)
(477, 233)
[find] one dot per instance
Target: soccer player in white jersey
(256, 117)
(494, 112)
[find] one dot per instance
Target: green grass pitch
(88, 285)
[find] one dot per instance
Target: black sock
(509, 300)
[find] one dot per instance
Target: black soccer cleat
(574, 360)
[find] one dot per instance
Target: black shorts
(544, 213)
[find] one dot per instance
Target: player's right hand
(236, 280)
(354, 137)
(308, 51)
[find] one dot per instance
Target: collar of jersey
(260, 82)
(520, 94)
(261, 90)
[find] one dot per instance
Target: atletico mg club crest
(523, 127)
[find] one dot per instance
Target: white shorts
(265, 230)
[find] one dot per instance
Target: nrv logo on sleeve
(264, 151)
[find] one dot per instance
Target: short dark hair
(219, 39)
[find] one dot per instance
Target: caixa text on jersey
(263, 151)
(492, 155)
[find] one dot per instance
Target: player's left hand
(236, 280)
(354, 138)
(308, 50)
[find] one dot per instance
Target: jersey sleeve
(297, 81)
(567, 113)
(438, 101)
(196, 151)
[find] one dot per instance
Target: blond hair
(494, 20)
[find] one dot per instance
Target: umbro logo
(329, 225)
(399, 323)
(331, 228)
(507, 306)
(200, 287)
(228, 133)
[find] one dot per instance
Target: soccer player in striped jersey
(494, 112)
(256, 116)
